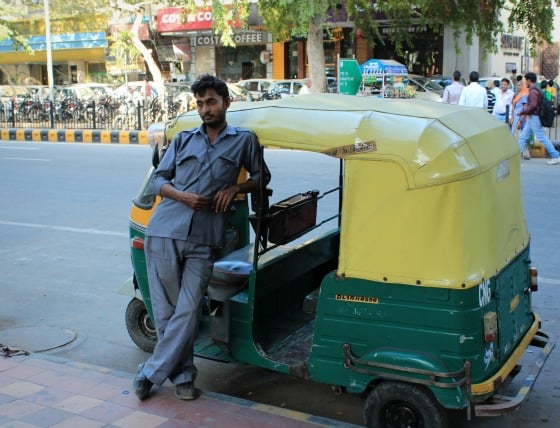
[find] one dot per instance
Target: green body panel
(418, 327)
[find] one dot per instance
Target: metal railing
(108, 114)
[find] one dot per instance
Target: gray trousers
(178, 275)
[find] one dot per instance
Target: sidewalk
(38, 390)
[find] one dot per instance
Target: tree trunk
(147, 54)
(316, 54)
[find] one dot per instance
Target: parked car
(446, 80)
(257, 87)
(286, 88)
(425, 88)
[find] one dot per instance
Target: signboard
(349, 76)
(178, 19)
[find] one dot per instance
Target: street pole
(49, 59)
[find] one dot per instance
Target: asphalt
(39, 390)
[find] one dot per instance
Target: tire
(400, 404)
(140, 326)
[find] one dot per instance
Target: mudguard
(387, 363)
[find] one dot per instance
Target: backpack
(546, 111)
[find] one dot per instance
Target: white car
(286, 88)
(257, 87)
(426, 89)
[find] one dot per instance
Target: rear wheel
(140, 326)
(403, 405)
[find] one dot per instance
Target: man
(474, 95)
(452, 93)
(491, 98)
(503, 105)
(197, 179)
(306, 88)
(533, 125)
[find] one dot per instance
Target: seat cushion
(229, 277)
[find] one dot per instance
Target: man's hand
(224, 198)
(195, 201)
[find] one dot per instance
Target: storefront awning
(95, 55)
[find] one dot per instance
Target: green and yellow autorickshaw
(416, 294)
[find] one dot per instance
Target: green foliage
(122, 48)
(536, 17)
(7, 28)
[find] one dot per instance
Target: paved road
(64, 252)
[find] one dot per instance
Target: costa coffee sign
(173, 19)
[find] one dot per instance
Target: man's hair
(207, 81)
(544, 84)
(531, 77)
(456, 75)
(497, 83)
(505, 79)
(473, 76)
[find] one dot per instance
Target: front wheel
(400, 405)
(140, 326)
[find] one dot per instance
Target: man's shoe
(186, 391)
(142, 385)
(554, 161)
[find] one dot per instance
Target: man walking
(452, 93)
(197, 179)
(504, 97)
(533, 125)
(474, 95)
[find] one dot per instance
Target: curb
(74, 136)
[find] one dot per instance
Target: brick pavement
(39, 390)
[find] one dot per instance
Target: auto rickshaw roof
(433, 142)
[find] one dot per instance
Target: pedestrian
(544, 89)
(452, 93)
(519, 100)
(474, 94)
(504, 97)
(490, 96)
(197, 179)
(552, 89)
(533, 126)
(513, 75)
(146, 88)
(306, 87)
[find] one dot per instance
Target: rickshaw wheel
(140, 326)
(400, 404)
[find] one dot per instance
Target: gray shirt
(192, 164)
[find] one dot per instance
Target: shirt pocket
(224, 171)
(188, 169)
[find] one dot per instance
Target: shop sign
(174, 19)
(253, 38)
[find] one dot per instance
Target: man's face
(505, 86)
(212, 108)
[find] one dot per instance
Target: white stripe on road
(28, 159)
(19, 148)
(64, 229)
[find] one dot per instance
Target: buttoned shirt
(474, 95)
(452, 93)
(503, 103)
(193, 164)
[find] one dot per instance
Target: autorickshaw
(416, 295)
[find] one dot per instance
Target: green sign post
(349, 76)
